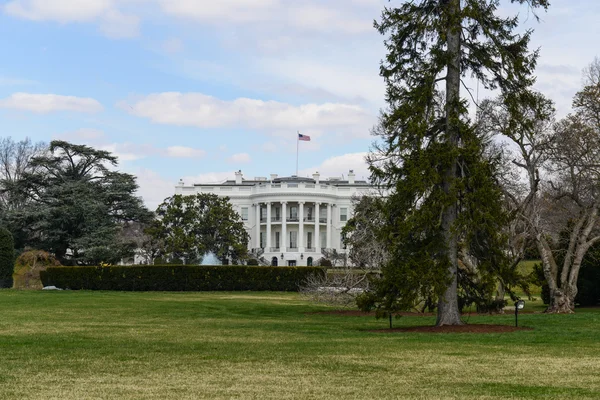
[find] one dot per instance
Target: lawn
(113, 345)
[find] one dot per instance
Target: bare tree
(15, 160)
(364, 256)
(526, 135)
(560, 166)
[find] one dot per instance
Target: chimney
(273, 177)
(316, 177)
(351, 177)
(180, 183)
(238, 177)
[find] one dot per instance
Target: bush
(28, 267)
(252, 261)
(323, 262)
(7, 258)
(179, 277)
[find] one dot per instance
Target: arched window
(274, 261)
(309, 261)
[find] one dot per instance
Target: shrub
(252, 261)
(323, 262)
(7, 258)
(179, 277)
(28, 267)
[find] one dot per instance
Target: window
(293, 239)
(309, 239)
(343, 241)
(323, 214)
(309, 213)
(323, 239)
(277, 239)
(262, 240)
(277, 214)
(244, 213)
(263, 213)
(293, 212)
(343, 214)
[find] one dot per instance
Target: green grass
(113, 345)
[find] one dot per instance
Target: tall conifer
(430, 155)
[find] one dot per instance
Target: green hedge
(7, 258)
(178, 277)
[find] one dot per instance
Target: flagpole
(297, 146)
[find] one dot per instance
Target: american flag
(303, 137)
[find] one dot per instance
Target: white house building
(289, 219)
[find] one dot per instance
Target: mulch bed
(474, 328)
(467, 328)
(357, 313)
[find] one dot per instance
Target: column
(284, 238)
(268, 244)
(257, 240)
(301, 227)
(317, 236)
(329, 225)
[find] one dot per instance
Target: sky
(198, 89)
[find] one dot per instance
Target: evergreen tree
(76, 206)
(430, 156)
(190, 227)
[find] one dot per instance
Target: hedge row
(179, 277)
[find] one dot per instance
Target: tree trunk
(562, 301)
(448, 312)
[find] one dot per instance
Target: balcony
(276, 219)
(263, 219)
(323, 220)
(309, 219)
(292, 219)
(274, 249)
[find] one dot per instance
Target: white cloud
(117, 25)
(340, 165)
(184, 152)
(127, 151)
(355, 83)
(203, 111)
(112, 22)
(57, 10)
(240, 158)
(319, 18)
(222, 10)
(45, 103)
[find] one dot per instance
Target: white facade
(289, 219)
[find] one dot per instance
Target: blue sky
(197, 89)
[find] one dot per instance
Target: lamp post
(519, 305)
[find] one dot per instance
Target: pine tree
(430, 155)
